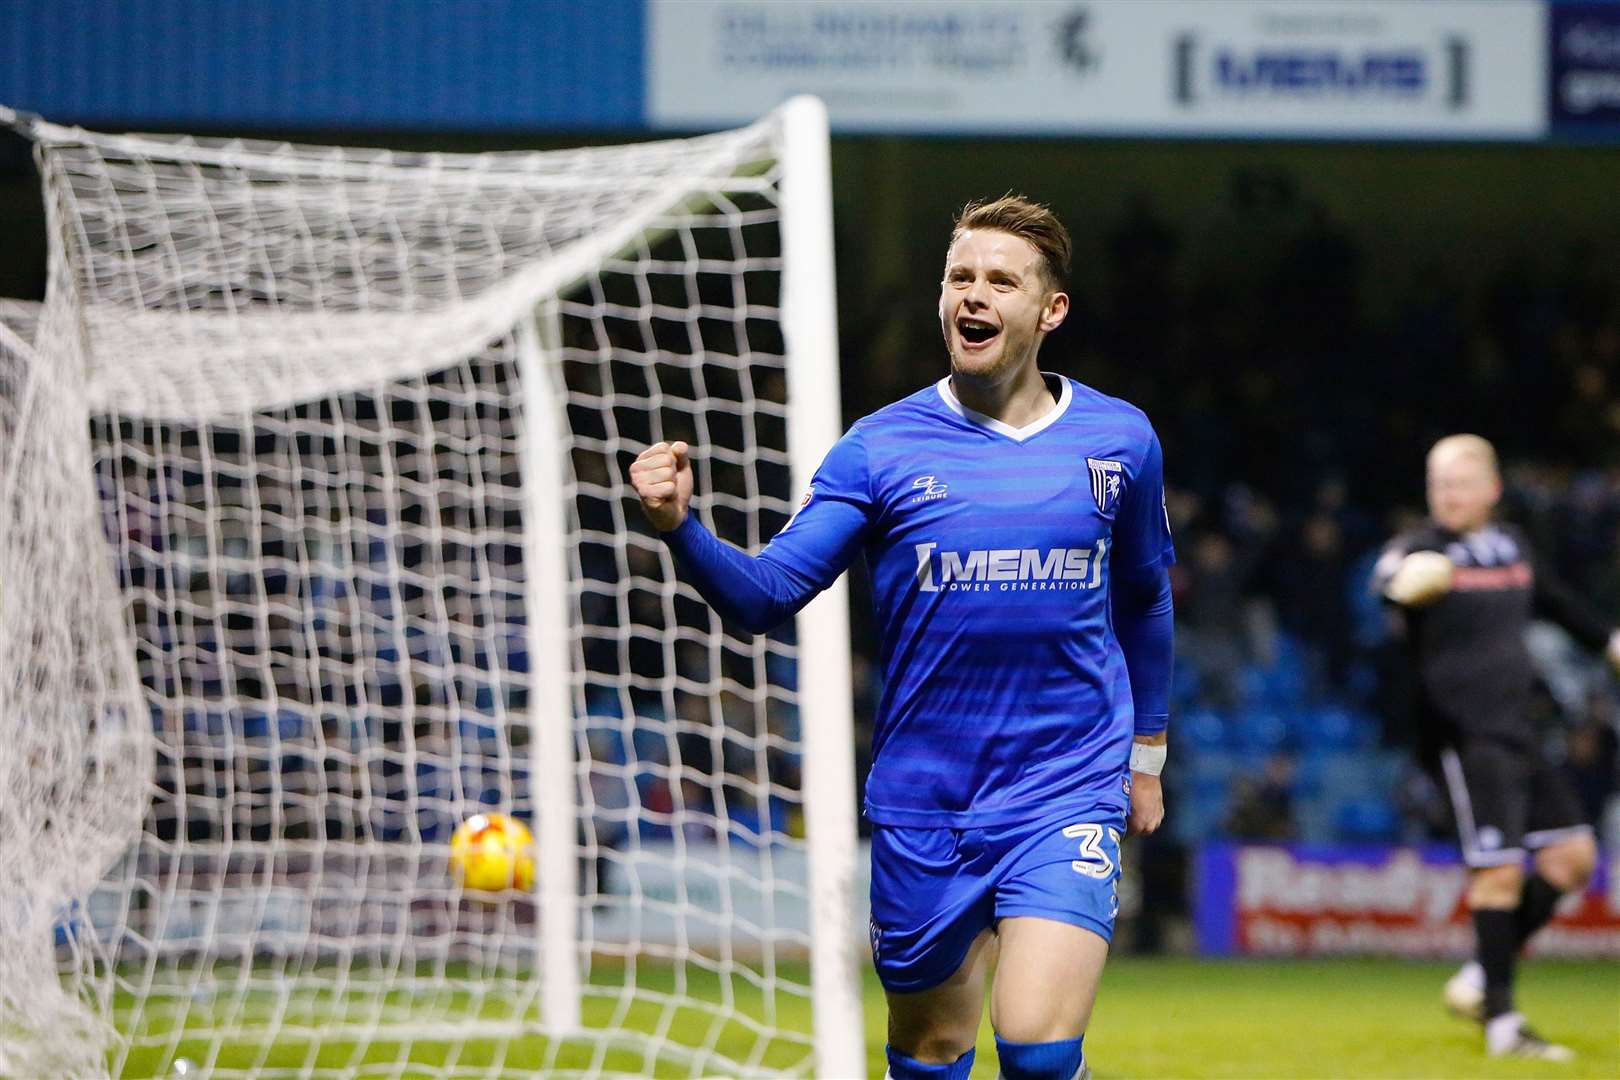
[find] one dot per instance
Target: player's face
(995, 304)
(1463, 491)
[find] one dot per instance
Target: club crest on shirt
(809, 494)
(1107, 481)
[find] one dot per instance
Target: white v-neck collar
(1017, 434)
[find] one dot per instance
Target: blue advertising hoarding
(1583, 70)
(1517, 70)
(442, 65)
(1283, 68)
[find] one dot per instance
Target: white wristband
(1148, 760)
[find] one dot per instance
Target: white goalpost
(315, 541)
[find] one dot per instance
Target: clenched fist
(1147, 804)
(662, 477)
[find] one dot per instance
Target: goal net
(315, 541)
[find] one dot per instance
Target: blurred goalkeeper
(1014, 525)
(1469, 587)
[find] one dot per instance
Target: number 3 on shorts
(1093, 860)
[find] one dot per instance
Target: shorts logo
(928, 488)
(1107, 479)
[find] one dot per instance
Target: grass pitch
(1196, 1018)
(1167, 1017)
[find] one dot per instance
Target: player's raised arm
(759, 592)
(1144, 621)
(1557, 600)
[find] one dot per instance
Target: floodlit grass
(690, 1023)
(1191, 1018)
(1155, 1018)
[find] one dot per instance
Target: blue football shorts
(935, 889)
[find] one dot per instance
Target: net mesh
(266, 634)
(76, 761)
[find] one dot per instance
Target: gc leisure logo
(928, 488)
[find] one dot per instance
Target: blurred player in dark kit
(1469, 587)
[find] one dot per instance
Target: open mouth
(976, 331)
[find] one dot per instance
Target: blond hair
(1027, 220)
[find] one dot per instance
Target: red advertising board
(1304, 900)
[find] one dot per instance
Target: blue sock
(905, 1068)
(1040, 1061)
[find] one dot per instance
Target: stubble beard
(994, 367)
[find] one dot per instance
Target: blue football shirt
(993, 553)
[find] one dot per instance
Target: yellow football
(492, 853)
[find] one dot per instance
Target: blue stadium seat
(650, 743)
(254, 724)
(605, 742)
(1261, 732)
(1201, 806)
(433, 795)
(1202, 729)
(1337, 727)
(1284, 684)
(1309, 770)
(1186, 682)
(602, 701)
(1361, 681)
(1368, 820)
(746, 827)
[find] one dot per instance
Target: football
(492, 853)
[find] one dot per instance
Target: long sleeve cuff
(1144, 620)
